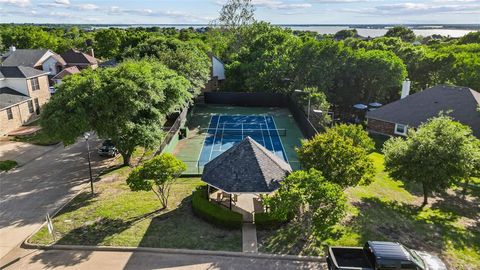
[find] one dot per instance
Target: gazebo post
(230, 201)
(208, 192)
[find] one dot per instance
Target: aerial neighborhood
(238, 144)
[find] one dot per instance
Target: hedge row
(214, 213)
(265, 221)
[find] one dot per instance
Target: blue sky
(274, 11)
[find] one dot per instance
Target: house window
(9, 114)
(30, 106)
(400, 129)
(37, 106)
(35, 84)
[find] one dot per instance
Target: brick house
(396, 118)
(80, 59)
(23, 92)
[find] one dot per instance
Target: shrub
(213, 213)
(266, 221)
(6, 165)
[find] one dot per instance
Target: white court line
(204, 139)
(223, 135)
(214, 138)
(269, 135)
(280, 139)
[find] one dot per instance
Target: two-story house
(23, 92)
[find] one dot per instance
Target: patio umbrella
(375, 104)
(360, 106)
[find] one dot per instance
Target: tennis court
(260, 123)
(224, 131)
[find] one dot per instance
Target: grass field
(389, 210)
(6, 165)
(188, 150)
(116, 216)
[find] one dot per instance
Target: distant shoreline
(363, 26)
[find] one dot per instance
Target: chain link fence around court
(172, 131)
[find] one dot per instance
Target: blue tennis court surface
(224, 131)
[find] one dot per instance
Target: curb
(177, 251)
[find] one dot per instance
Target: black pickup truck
(377, 255)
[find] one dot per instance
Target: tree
(183, 57)
(127, 104)
(358, 135)
(378, 75)
(472, 37)
(236, 14)
(404, 33)
(158, 174)
(314, 201)
(340, 154)
(108, 42)
(345, 33)
(318, 101)
(263, 63)
(437, 155)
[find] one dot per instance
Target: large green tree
(127, 104)
(315, 202)
(402, 32)
(264, 63)
(157, 175)
(341, 154)
(184, 57)
(437, 155)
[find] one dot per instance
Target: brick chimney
(405, 88)
(92, 53)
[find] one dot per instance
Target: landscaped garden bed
(116, 216)
(390, 210)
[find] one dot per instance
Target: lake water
(377, 32)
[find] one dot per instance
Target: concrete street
(40, 186)
(65, 259)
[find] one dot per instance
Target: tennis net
(245, 132)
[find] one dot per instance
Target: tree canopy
(438, 155)
(402, 32)
(341, 154)
(127, 104)
(315, 202)
(157, 175)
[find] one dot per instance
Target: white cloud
(62, 2)
(17, 3)
(274, 4)
(84, 7)
(177, 15)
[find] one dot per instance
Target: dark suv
(108, 149)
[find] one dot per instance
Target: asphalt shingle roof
(9, 97)
(23, 57)
(416, 109)
(77, 57)
(20, 72)
(246, 167)
(65, 72)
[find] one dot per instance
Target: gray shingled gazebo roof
(247, 167)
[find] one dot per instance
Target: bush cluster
(213, 213)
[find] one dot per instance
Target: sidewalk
(249, 238)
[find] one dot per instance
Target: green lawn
(117, 216)
(38, 138)
(389, 210)
(6, 165)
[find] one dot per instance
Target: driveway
(29, 192)
(22, 152)
(68, 259)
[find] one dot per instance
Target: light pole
(309, 100)
(86, 135)
(332, 113)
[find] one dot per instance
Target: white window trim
(404, 133)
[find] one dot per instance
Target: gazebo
(238, 176)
